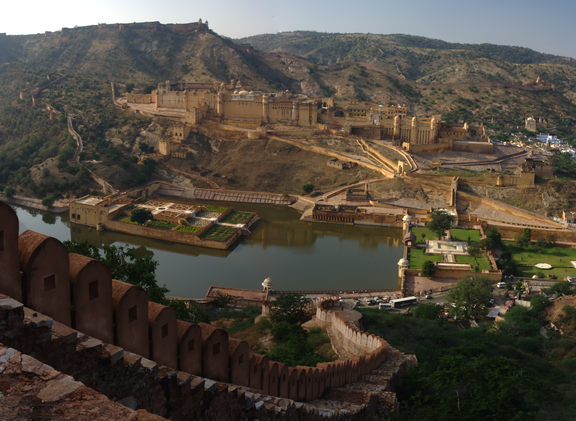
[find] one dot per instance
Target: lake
(296, 255)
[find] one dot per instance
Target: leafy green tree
(129, 87)
(125, 266)
(469, 297)
(431, 311)
(48, 201)
(141, 216)
(440, 222)
(9, 192)
(538, 303)
(521, 241)
(527, 233)
(486, 244)
(475, 251)
(541, 243)
(291, 308)
(551, 240)
(308, 188)
(563, 288)
(148, 89)
(428, 268)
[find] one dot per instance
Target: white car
(571, 279)
(501, 284)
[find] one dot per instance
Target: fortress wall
(485, 148)
(149, 330)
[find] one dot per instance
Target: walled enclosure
(151, 330)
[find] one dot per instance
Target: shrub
(566, 343)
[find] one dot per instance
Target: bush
(528, 345)
(48, 201)
(566, 343)
(308, 188)
(141, 216)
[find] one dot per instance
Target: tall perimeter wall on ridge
(78, 294)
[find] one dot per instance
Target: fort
(122, 347)
(230, 105)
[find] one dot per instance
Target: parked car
(385, 306)
(571, 279)
(501, 284)
(429, 297)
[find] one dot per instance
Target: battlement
(80, 316)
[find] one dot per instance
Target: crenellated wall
(79, 292)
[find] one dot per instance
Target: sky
(542, 26)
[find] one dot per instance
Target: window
(165, 330)
(1, 240)
(190, 346)
(216, 349)
(132, 314)
(92, 290)
(49, 283)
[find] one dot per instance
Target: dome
(243, 93)
(267, 284)
(403, 262)
(406, 218)
(530, 119)
(236, 92)
(251, 93)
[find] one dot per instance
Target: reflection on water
(296, 255)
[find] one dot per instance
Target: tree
(291, 308)
(563, 288)
(431, 311)
(474, 250)
(9, 192)
(440, 222)
(48, 201)
(527, 233)
(521, 242)
(538, 303)
(125, 266)
(308, 188)
(494, 235)
(129, 87)
(541, 243)
(507, 263)
(428, 268)
(486, 244)
(148, 89)
(551, 241)
(141, 216)
(469, 297)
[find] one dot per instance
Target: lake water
(296, 255)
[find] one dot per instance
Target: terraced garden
(128, 221)
(186, 228)
(214, 208)
(219, 233)
(237, 217)
(160, 224)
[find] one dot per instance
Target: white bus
(400, 302)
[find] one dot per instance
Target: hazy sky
(546, 26)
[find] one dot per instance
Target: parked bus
(400, 302)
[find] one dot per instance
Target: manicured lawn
(160, 224)
(418, 231)
(186, 228)
(128, 221)
(219, 232)
(417, 258)
(236, 217)
(556, 256)
(529, 271)
(483, 262)
(459, 234)
(214, 208)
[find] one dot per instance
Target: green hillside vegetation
(504, 370)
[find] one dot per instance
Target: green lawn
(459, 234)
(186, 228)
(417, 258)
(219, 232)
(556, 256)
(418, 231)
(128, 221)
(236, 217)
(483, 262)
(529, 271)
(214, 208)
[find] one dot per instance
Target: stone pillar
(414, 134)
(295, 112)
(397, 123)
(220, 104)
(265, 109)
